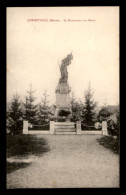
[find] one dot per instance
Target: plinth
(62, 96)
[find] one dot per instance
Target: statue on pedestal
(63, 68)
(63, 90)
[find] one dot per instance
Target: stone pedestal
(51, 127)
(78, 127)
(62, 97)
(25, 127)
(104, 128)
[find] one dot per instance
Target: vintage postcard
(62, 97)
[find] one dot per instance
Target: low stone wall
(92, 132)
(54, 125)
(38, 132)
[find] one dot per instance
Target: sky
(36, 48)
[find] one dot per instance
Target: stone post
(78, 127)
(104, 128)
(25, 127)
(51, 127)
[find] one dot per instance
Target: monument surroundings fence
(77, 129)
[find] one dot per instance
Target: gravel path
(73, 161)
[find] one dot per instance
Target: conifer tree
(75, 109)
(14, 114)
(43, 113)
(88, 108)
(30, 108)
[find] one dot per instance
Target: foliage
(30, 108)
(113, 128)
(88, 107)
(43, 113)
(53, 118)
(117, 125)
(103, 114)
(110, 142)
(13, 116)
(75, 109)
(63, 113)
(61, 119)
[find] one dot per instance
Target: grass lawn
(10, 167)
(23, 145)
(110, 142)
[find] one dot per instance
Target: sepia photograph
(62, 103)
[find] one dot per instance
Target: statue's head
(70, 56)
(68, 59)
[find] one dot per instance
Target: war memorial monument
(63, 104)
(63, 89)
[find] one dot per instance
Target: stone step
(64, 127)
(65, 133)
(65, 130)
(64, 123)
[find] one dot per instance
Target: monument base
(62, 97)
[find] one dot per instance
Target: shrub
(61, 119)
(64, 113)
(103, 114)
(113, 128)
(110, 142)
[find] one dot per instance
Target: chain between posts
(41, 125)
(87, 125)
(81, 123)
(93, 126)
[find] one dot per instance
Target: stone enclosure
(65, 128)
